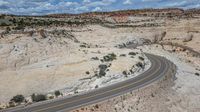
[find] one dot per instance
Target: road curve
(159, 68)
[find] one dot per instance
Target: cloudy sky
(40, 7)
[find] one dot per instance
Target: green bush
(57, 93)
(141, 58)
(96, 86)
(38, 98)
(132, 53)
(102, 71)
(197, 74)
(83, 46)
(95, 58)
(122, 55)
(103, 67)
(87, 72)
(139, 64)
(124, 73)
(8, 29)
(110, 57)
(18, 99)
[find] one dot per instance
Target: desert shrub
(110, 57)
(139, 64)
(124, 73)
(132, 53)
(87, 72)
(103, 66)
(122, 55)
(39, 97)
(8, 29)
(18, 99)
(82, 45)
(197, 74)
(96, 106)
(95, 58)
(131, 71)
(57, 93)
(141, 58)
(102, 71)
(109, 65)
(96, 86)
(51, 97)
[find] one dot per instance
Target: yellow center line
(100, 93)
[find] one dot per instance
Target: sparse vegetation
(132, 53)
(110, 57)
(38, 97)
(125, 73)
(102, 70)
(87, 72)
(139, 64)
(8, 29)
(197, 74)
(141, 58)
(95, 58)
(18, 99)
(57, 93)
(96, 86)
(122, 55)
(85, 45)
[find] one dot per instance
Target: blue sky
(40, 7)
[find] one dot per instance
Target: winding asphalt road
(159, 68)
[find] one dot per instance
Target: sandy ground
(32, 64)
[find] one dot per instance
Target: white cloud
(101, 3)
(68, 3)
(127, 2)
(82, 8)
(97, 9)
